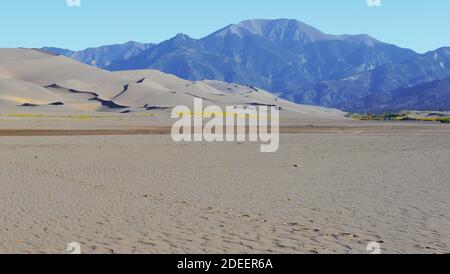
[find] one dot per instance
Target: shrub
(445, 120)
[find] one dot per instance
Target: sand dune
(17, 92)
(31, 78)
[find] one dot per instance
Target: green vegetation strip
(398, 117)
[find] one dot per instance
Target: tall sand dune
(32, 78)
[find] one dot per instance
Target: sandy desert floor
(325, 191)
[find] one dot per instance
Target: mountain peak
(133, 43)
(261, 26)
(277, 30)
(182, 37)
(281, 30)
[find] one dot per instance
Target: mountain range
(295, 61)
(103, 56)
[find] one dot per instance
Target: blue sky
(417, 24)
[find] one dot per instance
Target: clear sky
(417, 24)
